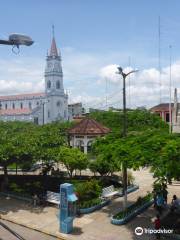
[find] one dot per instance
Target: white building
(75, 110)
(41, 108)
(176, 114)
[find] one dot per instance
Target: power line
(112, 95)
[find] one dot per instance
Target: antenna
(159, 57)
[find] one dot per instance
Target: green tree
(15, 145)
(73, 159)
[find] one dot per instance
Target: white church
(44, 107)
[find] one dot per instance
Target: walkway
(94, 226)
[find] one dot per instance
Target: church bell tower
(56, 106)
(53, 71)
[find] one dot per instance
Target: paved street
(94, 226)
(25, 233)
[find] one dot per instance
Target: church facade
(40, 108)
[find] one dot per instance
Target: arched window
(30, 106)
(48, 114)
(37, 103)
(59, 104)
(48, 84)
(58, 84)
(6, 106)
(21, 105)
(13, 106)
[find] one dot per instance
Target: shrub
(88, 190)
(90, 203)
(15, 188)
(140, 201)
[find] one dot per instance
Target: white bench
(109, 192)
(53, 197)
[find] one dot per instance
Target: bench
(53, 197)
(109, 192)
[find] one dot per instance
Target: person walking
(159, 203)
(164, 192)
(157, 225)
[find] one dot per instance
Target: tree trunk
(16, 168)
(5, 179)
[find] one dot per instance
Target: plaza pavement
(94, 226)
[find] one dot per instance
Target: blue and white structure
(67, 207)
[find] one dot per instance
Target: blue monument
(67, 207)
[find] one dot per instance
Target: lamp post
(16, 39)
(124, 167)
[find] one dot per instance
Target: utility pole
(124, 167)
(159, 58)
(170, 83)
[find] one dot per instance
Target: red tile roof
(88, 126)
(18, 111)
(161, 107)
(22, 96)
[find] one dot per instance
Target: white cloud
(109, 73)
(143, 88)
(86, 76)
(21, 76)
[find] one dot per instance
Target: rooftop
(161, 107)
(88, 126)
(53, 51)
(22, 96)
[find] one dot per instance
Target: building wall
(75, 109)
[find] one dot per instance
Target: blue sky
(93, 36)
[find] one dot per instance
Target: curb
(94, 208)
(131, 215)
(33, 228)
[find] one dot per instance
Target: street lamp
(17, 40)
(124, 167)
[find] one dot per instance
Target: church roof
(22, 96)
(88, 126)
(18, 111)
(53, 51)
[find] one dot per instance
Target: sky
(94, 37)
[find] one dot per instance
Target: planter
(132, 214)
(129, 190)
(94, 208)
(16, 196)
